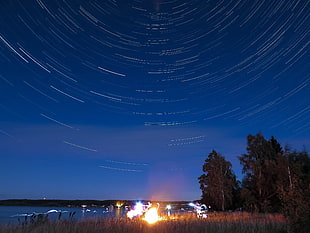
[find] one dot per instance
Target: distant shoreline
(77, 203)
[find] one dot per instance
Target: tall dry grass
(215, 223)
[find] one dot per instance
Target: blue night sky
(125, 99)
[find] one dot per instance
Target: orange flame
(151, 216)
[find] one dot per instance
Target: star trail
(128, 92)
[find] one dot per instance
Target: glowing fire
(149, 212)
(151, 215)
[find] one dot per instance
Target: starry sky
(122, 99)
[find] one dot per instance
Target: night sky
(125, 99)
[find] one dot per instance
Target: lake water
(20, 214)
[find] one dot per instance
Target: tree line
(275, 179)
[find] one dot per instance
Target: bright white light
(136, 211)
(201, 210)
(191, 204)
(151, 216)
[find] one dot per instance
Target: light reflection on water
(20, 214)
(16, 214)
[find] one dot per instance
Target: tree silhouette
(260, 166)
(294, 187)
(218, 182)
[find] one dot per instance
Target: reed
(187, 223)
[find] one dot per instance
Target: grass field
(235, 222)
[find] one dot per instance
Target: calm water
(16, 214)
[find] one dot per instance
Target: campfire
(148, 212)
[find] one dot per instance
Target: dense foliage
(275, 180)
(218, 182)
